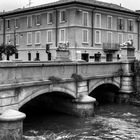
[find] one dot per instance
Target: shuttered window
(17, 23)
(120, 38)
(121, 24)
(63, 16)
(98, 20)
(37, 19)
(109, 22)
(62, 35)
(85, 36)
(49, 18)
(49, 36)
(130, 25)
(98, 37)
(109, 37)
(29, 21)
(29, 38)
(85, 18)
(37, 37)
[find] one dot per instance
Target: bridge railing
(12, 73)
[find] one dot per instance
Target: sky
(8, 5)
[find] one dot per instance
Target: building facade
(93, 30)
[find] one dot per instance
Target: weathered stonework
(127, 77)
(62, 55)
(11, 125)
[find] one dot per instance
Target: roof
(94, 3)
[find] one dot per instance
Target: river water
(111, 122)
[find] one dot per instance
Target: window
(37, 37)
(37, 19)
(85, 18)
(29, 56)
(98, 37)
(49, 56)
(17, 23)
(62, 35)
(7, 39)
(8, 24)
(63, 16)
(49, 18)
(109, 37)
(17, 39)
(120, 24)
(7, 57)
(130, 25)
(16, 55)
(98, 20)
(97, 57)
(29, 38)
(85, 36)
(109, 22)
(109, 57)
(29, 21)
(130, 37)
(120, 38)
(49, 36)
(37, 56)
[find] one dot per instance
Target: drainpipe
(92, 24)
(138, 34)
(3, 30)
(56, 26)
(92, 28)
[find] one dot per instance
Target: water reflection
(112, 122)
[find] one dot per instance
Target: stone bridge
(69, 87)
(22, 82)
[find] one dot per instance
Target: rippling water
(111, 122)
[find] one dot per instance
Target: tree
(8, 50)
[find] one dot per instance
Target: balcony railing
(111, 47)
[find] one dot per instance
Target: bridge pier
(81, 107)
(127, 78)
(84, 106)
(84, 103)
(11, 125)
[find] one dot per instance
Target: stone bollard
(11, 125)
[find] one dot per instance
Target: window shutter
(118, 24)
(123, 24)
(64, 16)
(52, 19)
(39, 16)
(34, 19)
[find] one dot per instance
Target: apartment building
(92, 29)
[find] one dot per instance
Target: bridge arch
(99, 83)
(105, 91)
(31, 95)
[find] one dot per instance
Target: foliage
(76, 77)
(54, 79)
(8, 49)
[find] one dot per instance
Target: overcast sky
(8, 5)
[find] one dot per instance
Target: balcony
(111, 47)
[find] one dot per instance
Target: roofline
(56, 4)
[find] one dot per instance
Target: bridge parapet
(13, 73)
